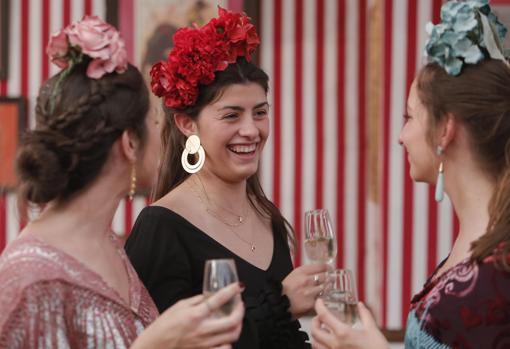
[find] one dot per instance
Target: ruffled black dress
(169, 254)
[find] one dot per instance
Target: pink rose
(57, 49)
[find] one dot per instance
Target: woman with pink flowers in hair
(209, 203)
(66, 282)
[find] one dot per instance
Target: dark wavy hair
(76, 127)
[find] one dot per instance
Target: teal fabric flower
(459, 38)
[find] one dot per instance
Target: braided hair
(78, 120)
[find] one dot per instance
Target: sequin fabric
(48, 299)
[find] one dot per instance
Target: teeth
(243, 148)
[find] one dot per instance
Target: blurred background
(340, 71)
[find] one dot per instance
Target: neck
(470, 192)
(228, 195)
(88, 214)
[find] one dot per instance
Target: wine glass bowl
(320, 239)
(340, 295)
(219, 273)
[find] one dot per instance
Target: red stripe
(3, 220)
(432, 232)
(319, 109)
(340, 164)
(25, 71)
(436, 10)
(277, 93)
(66, 12)
(407, 237)
(388, 43)
(455, 226)
(87, 7)
(3, 87)
(45, 35)
(128, 217)
(126, 27)
(432, 205)
(362, 176)
(298, 140)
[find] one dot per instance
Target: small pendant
(240, 219)
(252, 248)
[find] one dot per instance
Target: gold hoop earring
(193, 147)
(132, 188)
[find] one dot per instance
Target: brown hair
(171, 173)
(77, 121)
(480, 98)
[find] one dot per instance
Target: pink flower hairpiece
(91, 37)
(198, 53)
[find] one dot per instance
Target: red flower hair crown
(198, 53)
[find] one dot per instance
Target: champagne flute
(340, 296)
(320, 239)
(219, 273)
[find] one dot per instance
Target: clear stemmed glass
(340, 295)
(219, 273)
(320, 239)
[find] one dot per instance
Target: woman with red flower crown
(209, 202)
(66, 281)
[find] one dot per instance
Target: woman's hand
(330, 333)
(188, 324)
(303, 285)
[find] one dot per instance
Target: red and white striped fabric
(320, 151)
(316, 53)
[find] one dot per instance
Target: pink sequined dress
(48, 299)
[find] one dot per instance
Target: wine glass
(320, 239)
(340, 296)
(219, 273)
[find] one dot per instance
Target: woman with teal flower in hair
(457, 136)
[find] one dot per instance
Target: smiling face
(413, 136)
(233, 131)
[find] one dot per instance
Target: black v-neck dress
(169, 254)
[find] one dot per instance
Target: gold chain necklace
(214, 214)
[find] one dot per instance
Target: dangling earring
(439, 195)
(132, 188)
(193, 147)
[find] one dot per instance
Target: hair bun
(42, 167)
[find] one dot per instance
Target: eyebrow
(238, 108)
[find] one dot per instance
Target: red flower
(198, 53)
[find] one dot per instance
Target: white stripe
(118, 220)
(138, 204)
(14, 77)
(309, 91)
(350, 137)
(288, 112)
(420, 204)
(266, 62)
(34, 57)
(77, 10)
(99, 8)
(12, 217)
(56, 23)
(420, 234)
(445, 224)
(396, 178)
(330, 110)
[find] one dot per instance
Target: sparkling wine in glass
(340, 296)
(219, 273)
(320, 240)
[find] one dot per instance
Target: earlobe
(449, 130)
(185, 124)
(129, 145)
